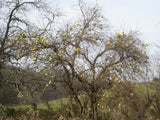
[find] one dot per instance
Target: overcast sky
(125, 15)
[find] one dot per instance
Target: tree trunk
(71, 108)
(77, 100)
(94, 110)
(82, 113)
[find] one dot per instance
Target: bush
(7, 112)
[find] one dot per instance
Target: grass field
(141, 102)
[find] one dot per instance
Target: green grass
(54, 104)
(144, 87)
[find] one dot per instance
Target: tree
(14, 19)
(87, 55)
(155, 67)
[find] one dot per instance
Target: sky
(126, 15)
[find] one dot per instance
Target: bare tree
(88, 55)
(155, 67)
(15, 19)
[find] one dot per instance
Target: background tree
(155, 67)
(15, 18)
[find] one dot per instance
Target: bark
(94, 110)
